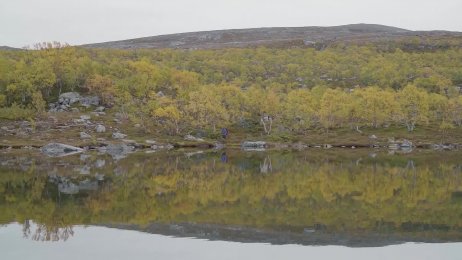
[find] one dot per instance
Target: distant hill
(273, 37)
(8, 48)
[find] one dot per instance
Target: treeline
(283, 89)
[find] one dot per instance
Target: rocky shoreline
(81, 122)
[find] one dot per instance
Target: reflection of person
(224, 157)
(224, 132)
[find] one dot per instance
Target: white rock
(100, 129)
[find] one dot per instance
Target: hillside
(273, 37)
(8, 48)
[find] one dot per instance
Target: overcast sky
(25, 22)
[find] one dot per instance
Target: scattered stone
(79, 121)
(85, 117)
(137, 125)
(84, 135)
(118, 135)
(100, 129)
(150, 141)
(100, 109)
(406, 143)
(59, 150)
(327, 146)
(372, 137)
(193, 138)
(256, 144)
(100, 163)
(84, 157)
(85, 170)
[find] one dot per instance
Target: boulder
(59, 150)
(90, 101)
(100, 129)
(69, 98)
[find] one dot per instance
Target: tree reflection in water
(319, 190)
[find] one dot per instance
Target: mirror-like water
(262, 204)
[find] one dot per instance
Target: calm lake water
(189, 204)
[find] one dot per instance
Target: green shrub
(16, 112)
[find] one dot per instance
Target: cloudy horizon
(25, 22)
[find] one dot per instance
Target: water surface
(365, 204)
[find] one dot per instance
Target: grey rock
(100, 163)
(99, 177)
(69, 98)
(78, 121)
(85, 117)
(88, 185)
(372, 137)
(254, 144)
(150, 141)
(85, 170)
(100, 109)
(100, 129)
(193, 138)
(118, 135)
(84, 157)
(84, 135)
(90, 101)
(59, 150)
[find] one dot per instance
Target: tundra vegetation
(272, 90)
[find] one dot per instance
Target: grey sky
(24, 22)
